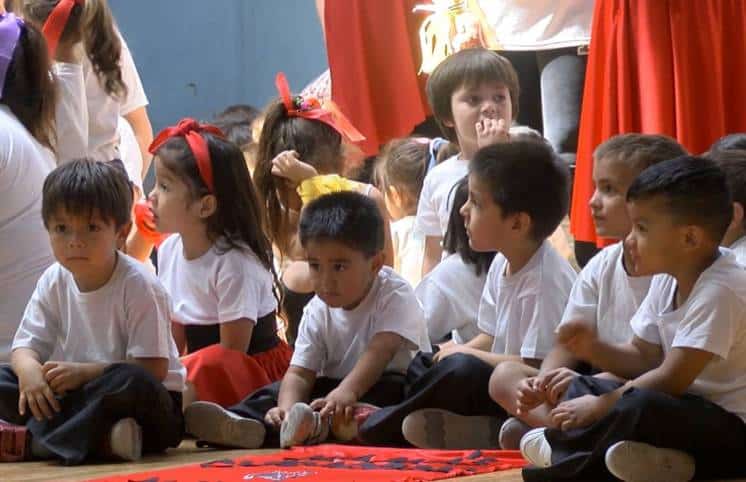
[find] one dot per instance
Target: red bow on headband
(311, 108)
(56, 22)
(191, 131)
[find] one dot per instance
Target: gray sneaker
(125, 440)
(434, 428)
(641, 462)
(536, 449)
(215, 425)
(511, 433)
(303, 426)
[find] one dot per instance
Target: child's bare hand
(275, 416)
(579, 412)
(530, 395)
(554, 383)
(338, 402)
(37, 395)
(450, 350)
(65, 376)
(288, 165)
(492, 131)
(579, 338)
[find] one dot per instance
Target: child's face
(608, 204)
(487, 228)
(174, 210)
(341, 275)
(655, 243)
(85, 246)
(473, 104)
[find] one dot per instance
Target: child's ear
(122, 234)
(521, 222)
(395, 195)
(693, 237)
(208, 206)
(738, 213)
(376, 262)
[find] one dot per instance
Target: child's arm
(34, 391)
(236, 334)
(480, 346)
(388, 246)
(296, 386)
(179, 333)
(433, 253)
(140, 122)
(65, 376)
(368, 369)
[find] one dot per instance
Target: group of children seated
(635, 367)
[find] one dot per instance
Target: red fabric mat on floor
(332, 463)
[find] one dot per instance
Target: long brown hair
(30, 91)
(316, 144)
(94, 25)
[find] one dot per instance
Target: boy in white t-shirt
(526, 290)
(733, 163)
(474, 98)
(114, 386)
(684, 405)
(605, 295)
(355, 342)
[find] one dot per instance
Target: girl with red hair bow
(217, 266)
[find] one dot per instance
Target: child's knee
(504, 380)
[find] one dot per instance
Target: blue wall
(197, 57)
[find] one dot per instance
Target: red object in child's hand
(145, 223)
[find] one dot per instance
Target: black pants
(459, 384)
(389, 389)
(79, 430)
(715, 437)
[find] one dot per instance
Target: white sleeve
(398, 311)
(487, 315)
(135, 97)
(709, 323)
(438, 310)
(542, 310)
(40, 326)
(309, 351)
(148, 319)
(239, 290)
(427, 221)
(71, 112)
(643, 322)
(583, 301)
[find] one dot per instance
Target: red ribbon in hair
(56, 22)
(191, 131)
(311, 108)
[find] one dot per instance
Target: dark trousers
(458, 384)
(389, 389)
(80, 429)
(715, 437)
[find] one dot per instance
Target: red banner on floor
(331, 463)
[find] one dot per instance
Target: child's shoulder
(447, 167)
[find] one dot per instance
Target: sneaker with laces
(211, 423)
(125, 440)
(434, 428)
(511, 433)
(15, 442)
(536, 449)
(344, 431)
(641, 462)
(303, 426)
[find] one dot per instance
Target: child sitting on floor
(733, 163)
(356, 338)
(115, 389)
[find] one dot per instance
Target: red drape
(675, 67)
(374, 58)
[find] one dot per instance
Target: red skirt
(674, 67)
(227, 376)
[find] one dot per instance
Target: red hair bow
(56, 22)
(311, 108)
(191, 131)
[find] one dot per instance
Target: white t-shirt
(449, 295)
(539, 24)
(409, 249)
(104, 110)
(739, 249)
(606, 296)
(24, 244)
(521, 311)
(331, 340)
(436, 198)
(129, 152)
(712, 319)
(71, 112)
(128, 317)
(215, 288)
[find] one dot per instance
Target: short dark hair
(640, 151)
(733, 164)
(80, 186)
(346, 217)
(470, 67)
(730, 142)
(235, 122)
(695, 191)
(525, 176)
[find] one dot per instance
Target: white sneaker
(536, 449)
(215, 425)
(511, 433)
(303, 426)
(125, 440)
(641, 462)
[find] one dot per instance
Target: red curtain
(374, 58)
(675, 67)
